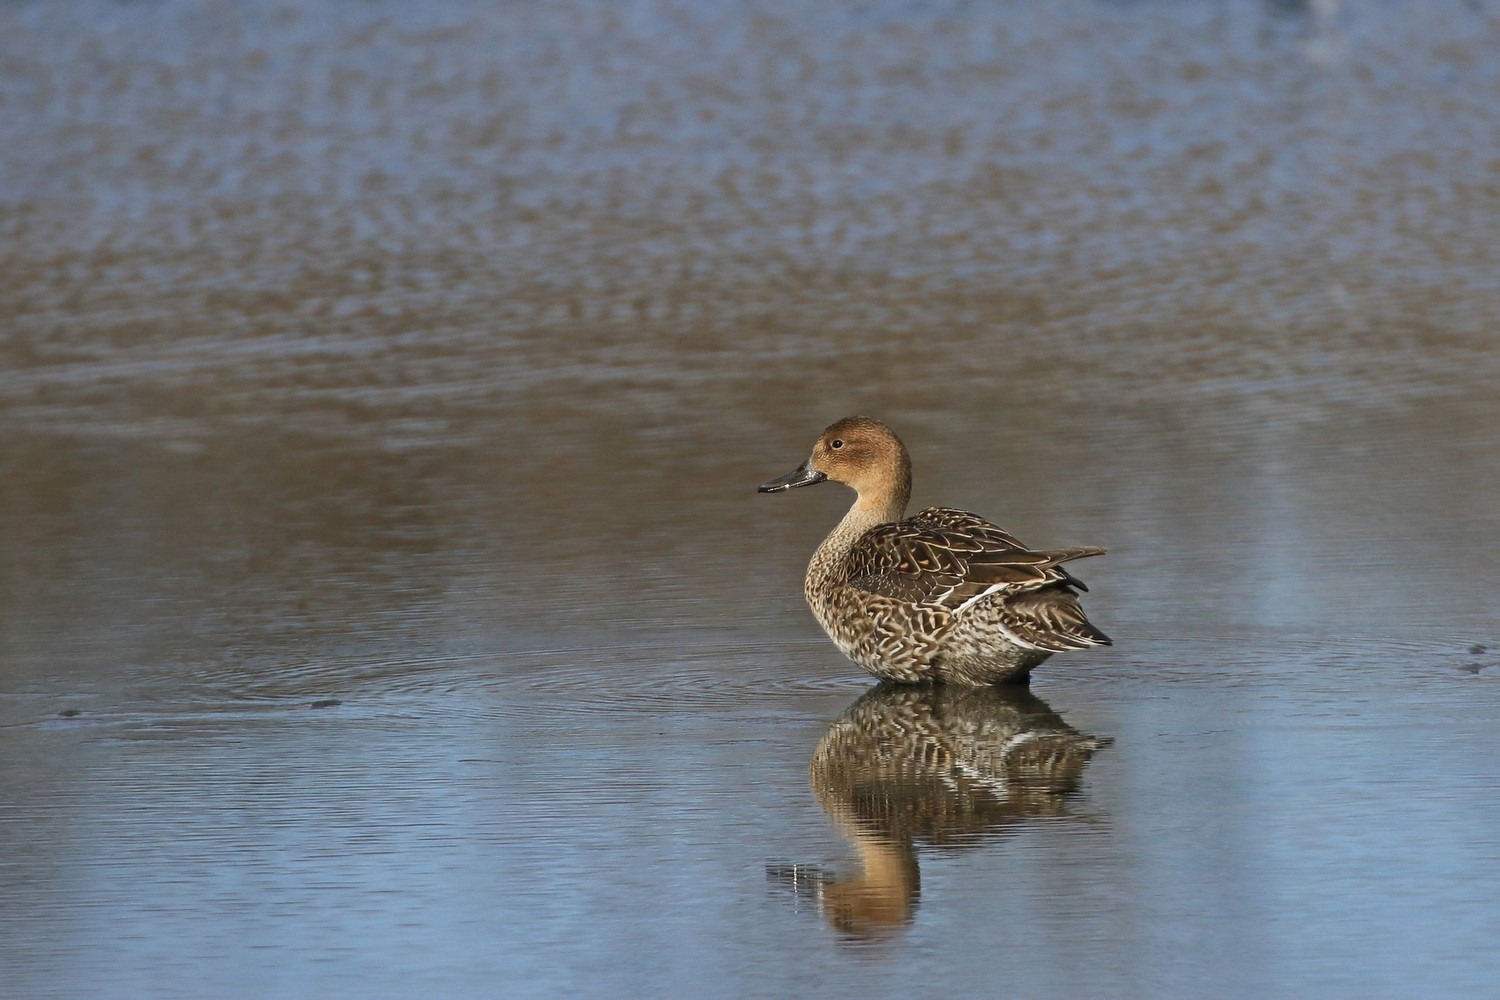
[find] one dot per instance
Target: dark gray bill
(800, 476)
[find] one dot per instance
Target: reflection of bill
(941, 765)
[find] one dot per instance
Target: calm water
(386, 608)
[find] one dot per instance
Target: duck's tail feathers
(1053, 619)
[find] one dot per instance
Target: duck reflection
(942, 765)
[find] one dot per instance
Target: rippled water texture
(386, 609)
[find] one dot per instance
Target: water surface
(387, 609)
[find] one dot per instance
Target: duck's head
(859, 452)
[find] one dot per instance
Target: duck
(943, 596)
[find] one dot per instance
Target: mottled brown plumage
(940, 596)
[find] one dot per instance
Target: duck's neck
(868, 512)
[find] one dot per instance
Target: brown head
(861, 453)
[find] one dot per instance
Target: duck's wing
(953, 519)
(998, 538)
(1050, 618)
(952, 558)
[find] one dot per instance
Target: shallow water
(387, 609)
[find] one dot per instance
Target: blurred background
(419, 362)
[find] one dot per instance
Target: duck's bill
(800, 476)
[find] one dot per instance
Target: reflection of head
(882, 898)
(873, 903)
(935, 765)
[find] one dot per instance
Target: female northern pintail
(942, 596)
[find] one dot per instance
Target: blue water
(386, 607)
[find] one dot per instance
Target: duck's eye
(836, 443)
